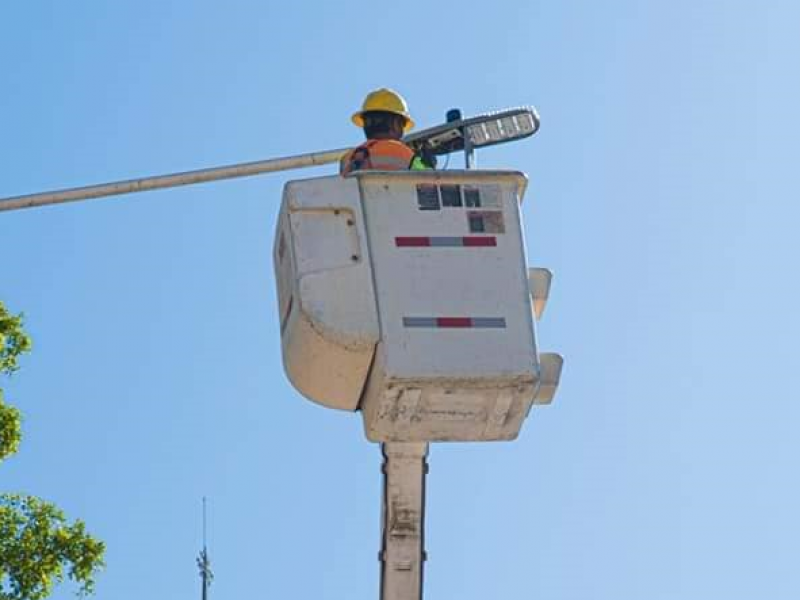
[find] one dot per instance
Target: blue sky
(663, 194)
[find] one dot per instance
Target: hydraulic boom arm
(403, 545)
(165, 181)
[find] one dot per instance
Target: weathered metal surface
(445, 410)
(402, 553)
(326, 302)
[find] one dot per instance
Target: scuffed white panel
(457, 359)
(329, 324)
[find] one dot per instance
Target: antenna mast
(203, 563)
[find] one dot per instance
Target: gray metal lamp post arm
(177, 179)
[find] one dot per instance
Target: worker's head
(380, 124)
(384, 115)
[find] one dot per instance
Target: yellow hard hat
(384, 100)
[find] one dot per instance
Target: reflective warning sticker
(455, 322)
(491, 322)
(412, 242)
(475, 241)
(467, 241)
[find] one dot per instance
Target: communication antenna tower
(203, 563)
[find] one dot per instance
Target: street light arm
(176, 179)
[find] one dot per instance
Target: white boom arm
(403, 542)
(177, 179)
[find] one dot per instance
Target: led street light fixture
(483, 130)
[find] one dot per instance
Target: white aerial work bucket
(406, 295)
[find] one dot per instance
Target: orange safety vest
(377, 155)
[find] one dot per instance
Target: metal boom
(402, 553)
(145, 184)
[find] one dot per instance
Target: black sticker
(476, 224)
(451, 195)
(472, 197)
(428, 197)
(486, 221)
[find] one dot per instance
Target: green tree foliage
(13, 342)
(38, 546)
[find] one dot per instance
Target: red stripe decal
(480, 241)
(405, 242)
(454, 322)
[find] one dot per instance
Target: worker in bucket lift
(384, 118)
